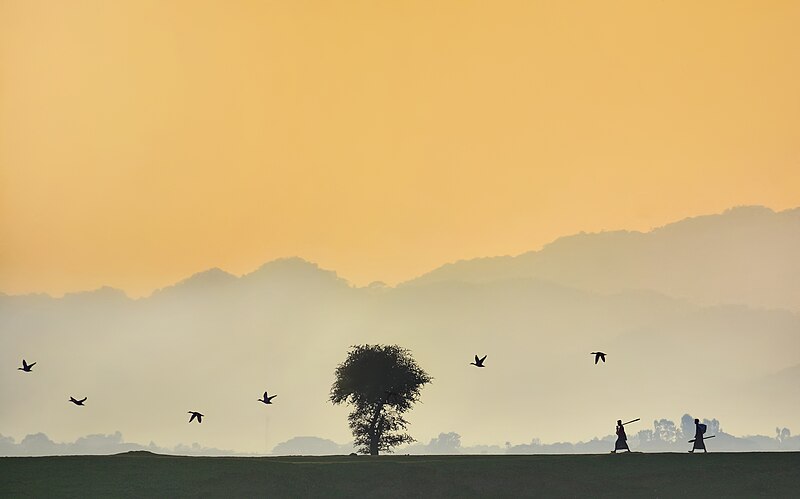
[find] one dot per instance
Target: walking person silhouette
(622, 438)
(699, 431)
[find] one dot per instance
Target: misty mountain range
(701, 315)
(746, 256)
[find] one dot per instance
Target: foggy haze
(698, 316)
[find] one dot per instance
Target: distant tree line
(665, 436)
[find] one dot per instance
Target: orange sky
(143, 141)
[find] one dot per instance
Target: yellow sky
(143, 141)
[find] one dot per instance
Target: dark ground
(634, 475)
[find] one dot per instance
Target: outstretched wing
(194, 415)
(31, 365)
(24, 364)
(481, 361)
(266, 397)
(83, 400)
(477, 360)
(269, 399)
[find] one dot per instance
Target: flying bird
(267, 399)
(77, 402)
(195, 415)
(598, 356)
(478, 362)
(26, 367)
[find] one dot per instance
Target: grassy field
(635, 475)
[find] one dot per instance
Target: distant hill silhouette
(290, 316)
(747, 255)
(138, 453)
(311, 446)
(39, 444)
(203, 280)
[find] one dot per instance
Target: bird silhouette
(26, 367)
(478, 362)
(267, 399)
(195, 415)
(77, 402)
(598, 356)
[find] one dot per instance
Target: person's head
(619, 422)
(696, 421)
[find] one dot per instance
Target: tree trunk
(374, 435)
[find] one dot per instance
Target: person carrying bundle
(699, 431)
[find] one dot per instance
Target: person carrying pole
(699, 431)
(622, 438)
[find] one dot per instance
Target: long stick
(631, 421)
(704, 438)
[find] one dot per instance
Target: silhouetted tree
(645, 436)
(782, 435)
(381, 382)
(446, 443)
(712, 426)
(664, 430)
(687, 426)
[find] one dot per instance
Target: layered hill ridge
(214, 342)
(746, 255)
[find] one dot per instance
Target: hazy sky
(143, 141)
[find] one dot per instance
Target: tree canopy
(381, 382)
